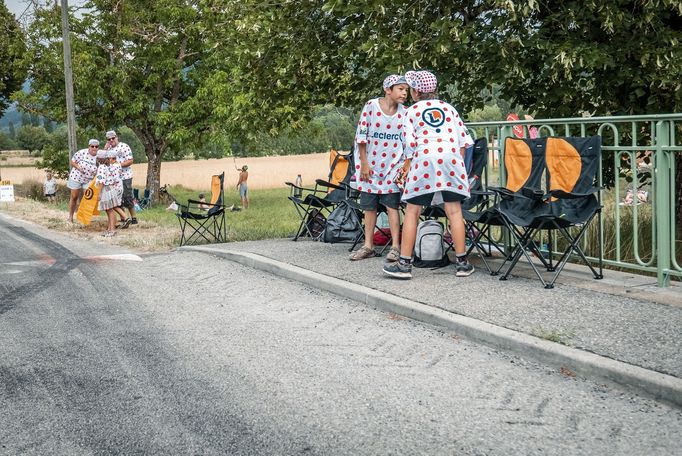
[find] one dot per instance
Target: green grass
(270, 215)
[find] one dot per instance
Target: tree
(6, 142)
(136, 66)
(12, 131)
(12, 50)
(32, 138)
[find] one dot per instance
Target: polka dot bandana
(392, 80)
(423, 81)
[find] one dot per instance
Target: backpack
(429, 250)
(316, 223)
(343, 225)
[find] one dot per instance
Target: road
(186, 353)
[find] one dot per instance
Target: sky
(19, 6)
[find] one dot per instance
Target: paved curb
(659, 386)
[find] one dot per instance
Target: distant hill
(11, 115)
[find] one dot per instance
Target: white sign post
(6, 192)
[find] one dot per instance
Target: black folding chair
(524, 162)
(197, 225)
(573, 201)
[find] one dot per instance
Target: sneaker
(464, 269)
(362, 253)
(124, 224)
(393, 255)
(133, 221)
(397, 270)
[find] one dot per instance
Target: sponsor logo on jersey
(389, 136)
(434, 117)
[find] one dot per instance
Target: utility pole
(68, 81)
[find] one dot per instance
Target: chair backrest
(475, 160)
(524, 162)
(216, 192)
(573, 163)
(340, 167)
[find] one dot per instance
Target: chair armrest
(313, 190)
(324, 183)
(561, 194)
(533, 193)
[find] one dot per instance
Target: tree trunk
(153, 149)
(153, 172)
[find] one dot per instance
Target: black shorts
(127, 200)
(425, 199)
(371, 201)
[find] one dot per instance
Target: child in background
(50, 187)
(202, 202)
(435, 139)
(110, 184)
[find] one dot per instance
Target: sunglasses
(111, 139)
(93, 146)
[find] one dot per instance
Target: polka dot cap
(392, 80)
(423, 81)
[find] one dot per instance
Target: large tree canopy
(133, 64)
(12, 50)
(559, 58)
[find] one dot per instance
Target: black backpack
(316, 223)
(343, 225)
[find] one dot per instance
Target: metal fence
(640, 229)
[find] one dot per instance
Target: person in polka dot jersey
(378, 158)
(435, 138)
(83, 170)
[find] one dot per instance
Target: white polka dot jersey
(433, 135)
(382, 135)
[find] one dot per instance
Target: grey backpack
(429, 248)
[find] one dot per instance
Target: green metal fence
(640, 229)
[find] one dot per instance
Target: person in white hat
(435, 139)
(110, 184)
(83, 169)
(378, 157)
(124, 156)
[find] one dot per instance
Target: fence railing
(640, 229)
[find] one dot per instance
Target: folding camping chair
(572, 201)
(313, 205)
(196, 224)
(524, 162)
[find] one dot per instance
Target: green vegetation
(270, 216)
(12, 52)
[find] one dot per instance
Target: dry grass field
(264, 172)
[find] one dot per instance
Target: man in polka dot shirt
(435, 138)
(378, 158)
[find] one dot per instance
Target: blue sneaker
(397, 270)
(464, 269)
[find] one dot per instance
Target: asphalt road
(186, 353)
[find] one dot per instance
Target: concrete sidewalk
(622, 329)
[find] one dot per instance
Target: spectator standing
(50, 187)
(243, 186)
(378, 157)
(435, 140)
(124, 156)
(83, 170)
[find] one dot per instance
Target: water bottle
(297, 189)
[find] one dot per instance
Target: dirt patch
(264, 172)
(145, 236)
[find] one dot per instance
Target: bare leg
(73, 202)
(121, 213)
(394, 226)
(454, 213)
(370, 224)
(410, 229)
(111, 217)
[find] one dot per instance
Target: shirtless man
(243, 187)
